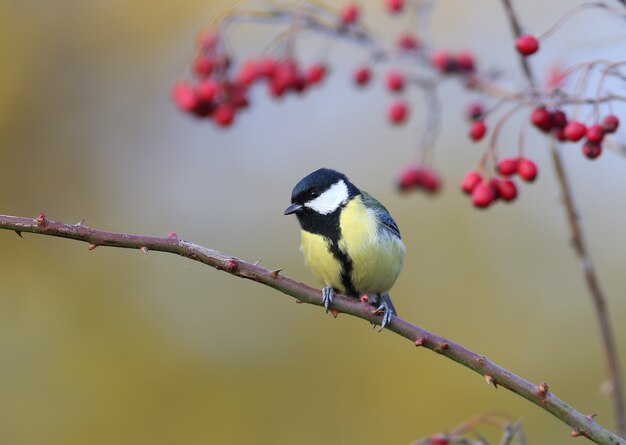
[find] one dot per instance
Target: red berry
(527, 45)
(527, 170)
(610, 123)
(394, 6)
(442, 61)
(224, 114)
(184, 97)
(477, 131)
(267, 67)
(483, 195)
(286, 75)
(470, 181)
(595, 133)
(574, 131)
(407, 41)
(203, 66)
(207, 90)
(475, 111)
(438, 442)
(559, 133)
(409, 178)
(315, 73)
(465, 61)
(506, 189)
(207, 41)
(362, 76)
(540, 118)
(248, 73)
(558, 119)
(394, 81)
(592, 150)
(349, 14)
(398, 112)
(429, 180)
(508, 167)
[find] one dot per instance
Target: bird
(349, 240)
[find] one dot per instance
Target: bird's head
(322, 192)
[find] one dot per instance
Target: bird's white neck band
(331, 199)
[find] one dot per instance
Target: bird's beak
(293, 208)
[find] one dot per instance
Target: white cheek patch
(331, 199)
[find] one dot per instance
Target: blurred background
(114, 346)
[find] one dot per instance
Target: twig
(495, 374)
(613, 368)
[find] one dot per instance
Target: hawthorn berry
(207, 41)
(465, 61)
(438, 440)
(362, 75)
(592, 149)
(407, 42)
(203, 66)
(394, 81)
(315, 73)
(409, 178)
(559, 134)
(398, 112)
(508, 167)
(248, 73)
(207, 90)
(442, 61)
(527, 45)
(394, 6)
(349, 14)
(541, 118)
(595, 133)
(506, 189)
(483, 195)
(224, 114)
(267, 67)
(184, 96)
(527, 170)
(430, 181)
(558, 119)
(610, 123)
(470, 181)
(575, 130)
(478, 129)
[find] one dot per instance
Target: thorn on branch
(491, 381)
(274, 273)
(144, 249)
(591, 416)
(80, 223)
(298, 301)
(92, 246)
(257, 262)
(18, 233)
(333, 311)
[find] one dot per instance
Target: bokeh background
(117, 347)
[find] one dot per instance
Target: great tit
(350, 242)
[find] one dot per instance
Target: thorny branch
(613, 368)
(494, 374)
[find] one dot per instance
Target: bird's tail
(387, 299)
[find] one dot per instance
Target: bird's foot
(387, 311)
(328, 293)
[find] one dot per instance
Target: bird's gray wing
(382, 213)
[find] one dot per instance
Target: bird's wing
(382, 213)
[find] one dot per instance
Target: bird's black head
(322, 192)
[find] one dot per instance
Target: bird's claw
(386, 312)
(328, 294)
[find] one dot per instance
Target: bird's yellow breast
(376, 255)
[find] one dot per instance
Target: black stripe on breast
(328, 227)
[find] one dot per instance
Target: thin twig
(493, 373)
(613, 368)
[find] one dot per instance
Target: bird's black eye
(313, 194)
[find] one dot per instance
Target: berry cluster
(418, 177)
(485, 191)
(218, 92)
(564, 130)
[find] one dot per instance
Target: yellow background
(117, 347)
